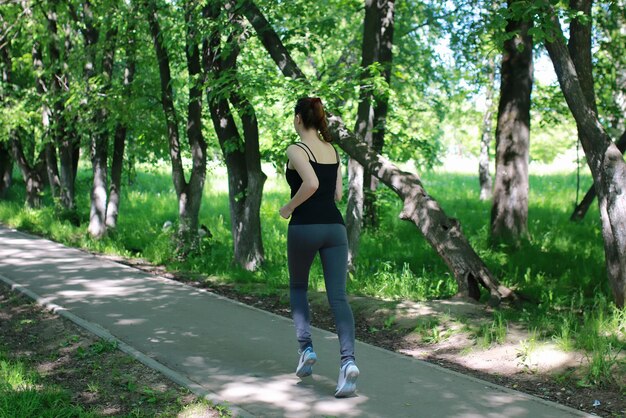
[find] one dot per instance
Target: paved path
(237, 354)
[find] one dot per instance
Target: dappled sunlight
(241, 355)
(295, 400)
(548, 357)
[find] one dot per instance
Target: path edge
(148, 361)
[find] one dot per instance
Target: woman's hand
(286, 211)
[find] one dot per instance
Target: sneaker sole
(306, 368)
(349, 386)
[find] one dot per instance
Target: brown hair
(313, 115)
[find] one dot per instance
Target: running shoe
(346, 384)
(307, 360)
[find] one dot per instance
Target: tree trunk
(604, 159)
(52, 170)
(484, 177)
(189, 194)
(509, 213)
(245, 177)
(381, 108)
(6, 163)
(354, 210)
(364, 128)
(121, 128)
(31, 173)
(100, 134)
(60, 131)
(443, 234)
(6, 170)
(579, 47)
(167, 99)
(249, 252)
(99, 146)
(194, 120)
(584, 205)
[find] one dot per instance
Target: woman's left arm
(339, 184)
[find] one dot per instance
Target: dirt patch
(98, 376)
(437, 332)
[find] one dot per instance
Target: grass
(23, 395)
(560, 267)
(70, 373)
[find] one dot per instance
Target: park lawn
(560, 268)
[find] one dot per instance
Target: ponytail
(313, 115)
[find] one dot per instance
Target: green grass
(560, 267)
(23, 395)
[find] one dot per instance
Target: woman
(314, 175)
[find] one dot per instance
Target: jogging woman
(316, 226)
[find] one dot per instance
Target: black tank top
(320, 208)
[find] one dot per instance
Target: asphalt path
(236, 354)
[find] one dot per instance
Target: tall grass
(560, 267)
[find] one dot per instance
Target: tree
(6, 163)
(484, 178)
(381, 106)
(364, 126)
(90, 27)
(443, 233)
(605, 161)
(242, 156)
(509, 213)
(64, 139)
(22, 150)
(371, 117)
(6, 170)
(189, 193)
(121, 128)
(611, 63)
(581, 209)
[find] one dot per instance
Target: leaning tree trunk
(119, 144)
(579, 47)
(485, 139)
(581, 209)
(442, 233)
(604, 159)
(509, 213)
(189, 194)
(364, 128)
(245, 177)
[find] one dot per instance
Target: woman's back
(320, 208)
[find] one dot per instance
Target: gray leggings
(330, 240)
